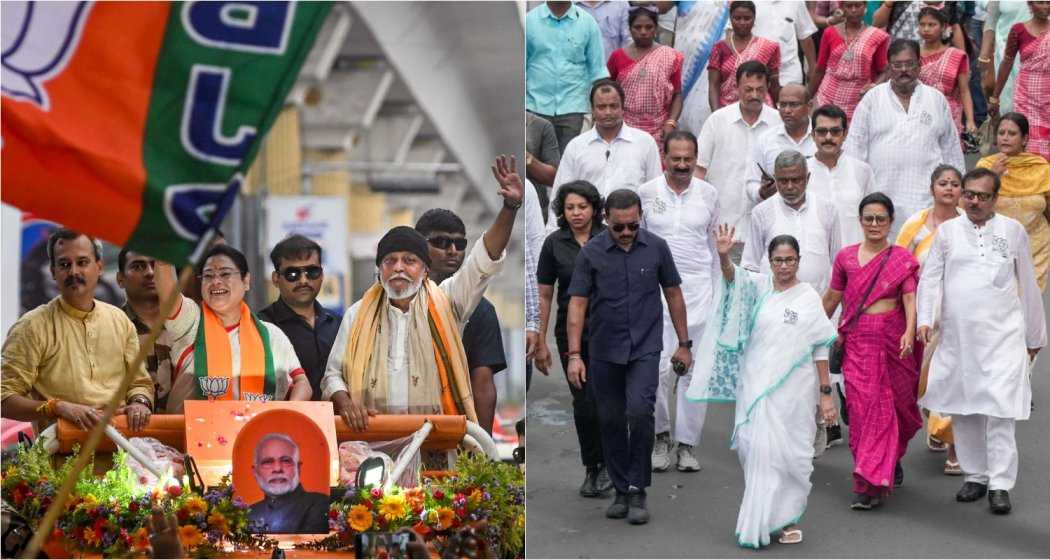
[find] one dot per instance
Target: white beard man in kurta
(992, 326)
(811, 220)
(904, 129)
(683, 210)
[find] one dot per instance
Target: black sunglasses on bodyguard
(443, 242)
(633, 226)
(292, 273)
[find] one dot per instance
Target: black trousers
(585, 415)
(627, 397)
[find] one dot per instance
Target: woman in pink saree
(851, 60)
(881, 364)
(651, 76)
(1031, 41)
(740, 46)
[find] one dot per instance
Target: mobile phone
(382, 545)
(679, 367)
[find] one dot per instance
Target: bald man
(794, 106)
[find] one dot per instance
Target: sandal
(935, 445)
(952, 468)
(793, 536)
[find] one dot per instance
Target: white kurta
(725, 152)
(815, 226)
(903, 147)
(983, 282)
(688, 222)
(632, 158)
(844, 185)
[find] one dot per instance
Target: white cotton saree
(761, 354)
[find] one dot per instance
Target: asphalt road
(694, 514)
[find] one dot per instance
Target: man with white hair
(399, 349)
(813, 221)
(286, 507)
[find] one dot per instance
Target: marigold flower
(415, 498)
(218, 522)
(360, 518)
(140, 540)
(392, 507)
(446, 517)
(195, 505)
(190, 536)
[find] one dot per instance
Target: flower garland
(109, 515)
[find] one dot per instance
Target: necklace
(848, 55)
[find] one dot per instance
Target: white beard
(403, 294)
(279, 488)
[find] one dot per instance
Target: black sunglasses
(633, 226)
(292, 273)
(443, 242)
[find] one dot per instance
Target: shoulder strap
(871, 286)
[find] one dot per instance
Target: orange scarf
(213, 358)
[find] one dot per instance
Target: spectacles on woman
(875, 219)
(783, 261)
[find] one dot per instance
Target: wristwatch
(139, 399)
(825, 389)
(686, 344)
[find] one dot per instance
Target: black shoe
(603, 482)
(971, 492)
(589, 488)
(834, 436)
(999, 501)
(637, 515)
(618, 509)
(898, 475)
(860, 501)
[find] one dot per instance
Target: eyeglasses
(975, 195)
(224, 274)
(293, 273)
(836, 131)
(904, 65)
(783, 261)
(875, 219)
(633, 226)
(443, 242)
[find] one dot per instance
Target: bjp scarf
(213, 359)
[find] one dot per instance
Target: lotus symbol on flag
(38, 38)
(213, 387)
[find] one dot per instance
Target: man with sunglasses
(616, 285)
(298, 276)
(446, 237)
(812, 220)
(835, 176)
(904, 129)
(979, 278)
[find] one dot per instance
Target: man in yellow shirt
(65, 358)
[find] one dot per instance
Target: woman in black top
(578, 208)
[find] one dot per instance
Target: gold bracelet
(983, 60)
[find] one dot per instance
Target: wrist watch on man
(139, 399)
(825, 389)
(686, 344)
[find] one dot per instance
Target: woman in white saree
(767, 352)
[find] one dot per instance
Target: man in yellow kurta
(65, 358)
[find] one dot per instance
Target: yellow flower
(190, 536)
(415, 498)
(90, 501)
(195, 505)
(91, 538)
(432, 517)
(218, 521)
(360, 518)
(392, 507)
(475, 498)
(445, 517)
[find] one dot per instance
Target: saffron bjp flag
(136, 122)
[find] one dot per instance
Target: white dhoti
(987, 449)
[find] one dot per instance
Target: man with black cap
(399, 349)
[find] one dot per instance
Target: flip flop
(952, 468)
(793, 536)
(935, 445)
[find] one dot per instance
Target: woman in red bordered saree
(945, 68)
(1031, 41)
(651, 76)
(851, 60)
(738, 47)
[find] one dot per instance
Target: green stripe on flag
(197, 65)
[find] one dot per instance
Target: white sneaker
(662, 453)
(686, 461)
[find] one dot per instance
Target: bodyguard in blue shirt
(618, 278)
(564, 54)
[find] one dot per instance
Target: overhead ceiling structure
(421, 96)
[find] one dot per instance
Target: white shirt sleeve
(332, 382)
(931, 280)
(752, 256)
(533, 244)
(804, 25)
(951, 147)
(706, 148)
(754, 172)
(653, 168)
(857, 139)
(1031, 296)
(835, 234)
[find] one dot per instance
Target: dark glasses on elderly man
(444, 242)
(293, 273)
(633, 226)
